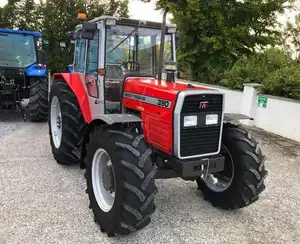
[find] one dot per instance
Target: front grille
(201, 139)
(191, 103)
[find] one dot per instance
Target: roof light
(81, 16)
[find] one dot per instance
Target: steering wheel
(131, 66)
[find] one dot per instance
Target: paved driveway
(43, 202)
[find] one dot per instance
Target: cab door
(91, 70)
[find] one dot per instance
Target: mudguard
(36, 70)
(235, 116)
(118, 118)
(79, 90)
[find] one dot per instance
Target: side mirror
(88, 30)
(171, 66)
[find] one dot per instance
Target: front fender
(118, 118)
(235, 116)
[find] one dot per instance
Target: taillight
(40, 66)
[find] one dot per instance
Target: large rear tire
(38, 99)
(126, 206)
(66, 124)
(242, 180)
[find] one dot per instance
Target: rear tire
(247, 181)
(38, 99)
(66, 148)
(134, 176)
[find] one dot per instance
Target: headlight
(211, 119)
(189, 121)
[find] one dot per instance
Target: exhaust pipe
(162, 44)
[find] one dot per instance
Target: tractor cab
(109, 49)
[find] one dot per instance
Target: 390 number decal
(163, 103)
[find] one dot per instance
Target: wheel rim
(56, 122)
(221, 181)
(103, 180)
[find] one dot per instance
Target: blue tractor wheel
(38, 99)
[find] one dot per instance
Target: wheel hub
(221, 181)
(108, 178)
(56, 122)
(103, 180)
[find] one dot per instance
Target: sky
(145, 11)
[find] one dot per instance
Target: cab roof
(21, 32)
(129, 22)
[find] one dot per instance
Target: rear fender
(74, 80)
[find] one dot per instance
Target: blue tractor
(22, 75)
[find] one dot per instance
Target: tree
(59, 21)
(275, 70)
(292, 37)
(56, 19)
(7, 15)
(215, 33)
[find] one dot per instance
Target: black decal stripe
(147, 99)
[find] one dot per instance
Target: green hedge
(276, 71)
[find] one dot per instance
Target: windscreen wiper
(135, 29)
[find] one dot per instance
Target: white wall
(233, 99)
(281, 116)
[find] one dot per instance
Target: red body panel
(75, 83)
(158, 121)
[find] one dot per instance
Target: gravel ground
(43, 202)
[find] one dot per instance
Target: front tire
(66, 124)
(38, 99)
(244, 174)
(133, 173)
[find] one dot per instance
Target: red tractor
(126, 126)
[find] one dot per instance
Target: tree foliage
(276, 71)
(292, 37)
(56, 19)
(215, 33)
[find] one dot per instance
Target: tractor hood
(151, 86)
(143, 92)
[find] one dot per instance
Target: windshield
(17, 50)
(142, 48)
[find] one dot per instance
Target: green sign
(262, 102)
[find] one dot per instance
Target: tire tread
(138, 185)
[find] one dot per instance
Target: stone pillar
(249, 102)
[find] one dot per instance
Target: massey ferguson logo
(203, 105)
